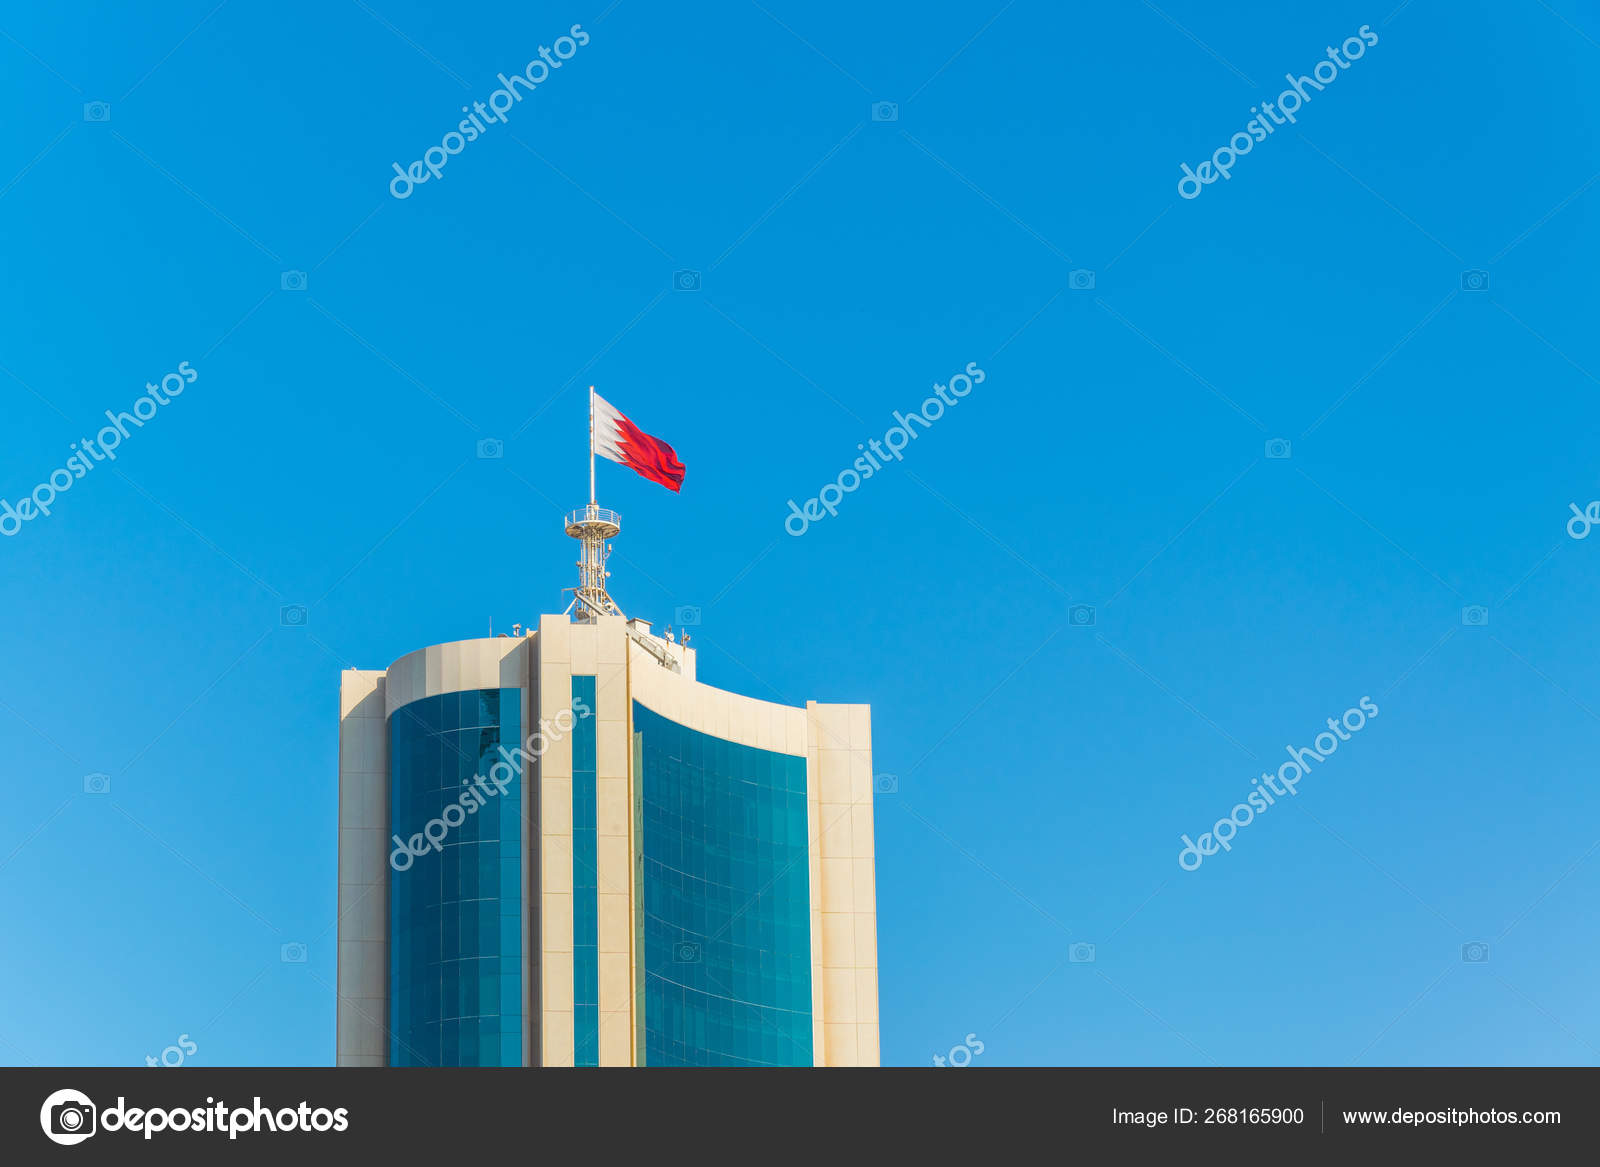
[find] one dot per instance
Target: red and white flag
(617, 438)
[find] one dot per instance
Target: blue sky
(1115, 456)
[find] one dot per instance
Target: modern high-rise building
(559, 848)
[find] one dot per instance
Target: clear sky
(1116, 455)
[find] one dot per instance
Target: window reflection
(725, 900)
(455, 940)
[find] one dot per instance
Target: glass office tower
(561, 849)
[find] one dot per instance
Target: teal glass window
(455, 880)
(724, 900)
(585, 882)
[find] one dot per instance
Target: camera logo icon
(1081, 280)
(97, 111)
(292, 953)
(491, 448)
(1475, 952)
(97, 783)
(885, 111)
(1475, 280)
(1278, 447)
(685, 281)
(885, 784)
(686, 952)
(292, 616)
(1081, 953)
(1081, 615)
(686, 615)
(1475, 616)
(68, 1117)
(292, 281)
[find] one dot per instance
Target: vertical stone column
(614, 820)
(363, 974)
(555, 844)
(844, 952)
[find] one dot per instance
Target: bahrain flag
(617, 438)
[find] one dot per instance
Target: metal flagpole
(592, 526)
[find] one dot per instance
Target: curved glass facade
(455, 929)
(724, 900)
